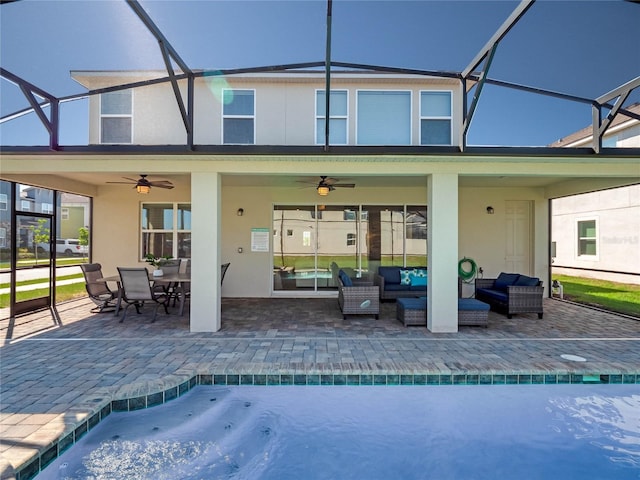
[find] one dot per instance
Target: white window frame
(116, 115)
(4, 201)
(586, 256)
(173, 230)
(64, 213)
(436, 117)
(320, 141)
(410, 92)
(25, 206)
(252, 117)
(47, 208)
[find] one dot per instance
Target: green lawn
(616, 297)
(63, 292)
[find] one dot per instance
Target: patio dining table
(179, 278)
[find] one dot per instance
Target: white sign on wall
(260, 239)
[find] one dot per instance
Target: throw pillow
(524, 281)
(405, 276)
(418, 281)
(505, 280)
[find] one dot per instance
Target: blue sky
(584, 48)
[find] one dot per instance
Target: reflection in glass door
(311, 243)
(33, 263)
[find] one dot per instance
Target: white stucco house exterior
(597, 234)
(257, 142)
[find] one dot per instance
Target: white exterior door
(518, 241)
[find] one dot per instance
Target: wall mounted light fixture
(240, 212)
(490, 210)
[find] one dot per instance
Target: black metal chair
(99, 292)
(137, 290)
(223, 270)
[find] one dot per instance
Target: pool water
(412, 432)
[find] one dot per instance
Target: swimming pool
(368, 432)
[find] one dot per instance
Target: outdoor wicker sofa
(357, 297)
(511, 293)
(400, 282)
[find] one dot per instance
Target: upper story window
(4, 203)
(338, 115)
(384, 117)
(238, 117)
(116, 117)
(587, 237)
(435, 118)
(47, 208)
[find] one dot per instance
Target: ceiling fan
(142, 185)
(328, 184)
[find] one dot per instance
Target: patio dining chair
(137, 290)
(99, 292)
(172, 267)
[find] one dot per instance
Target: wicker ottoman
(412, 311)
(473, 312)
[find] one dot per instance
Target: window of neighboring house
(289, 233)
(384, 117)
(587, 237)
(64, 213)
(4, 201)
(338, 115)
(47, 208)
(3, 237)
(25, 205)
(166, 229)
(306, 238)
(116, 117)
(351, 239)
(435, 118)
(238, 117)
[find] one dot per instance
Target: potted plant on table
(157, 262)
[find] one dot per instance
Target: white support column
(206, 236)
(442, 252)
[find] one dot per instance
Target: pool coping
(150, 394)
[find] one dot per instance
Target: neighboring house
(597, 234)
(246, 185)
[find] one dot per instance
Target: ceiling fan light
(143, 189)
(323, 190)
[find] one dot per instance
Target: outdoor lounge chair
(136, 290)
(357, 297)
(99, 292)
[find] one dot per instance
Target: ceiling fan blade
(124, 183)
(131, 179)
(344, 185)
(169, 187)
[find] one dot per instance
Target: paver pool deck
(55, 383)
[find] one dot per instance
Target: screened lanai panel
(42, 42)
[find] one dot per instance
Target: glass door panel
(294, 247)
(337, 243)
(416, 236)
(34, 266)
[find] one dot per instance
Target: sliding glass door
(312, 242)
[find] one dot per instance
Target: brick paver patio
(54, 378)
